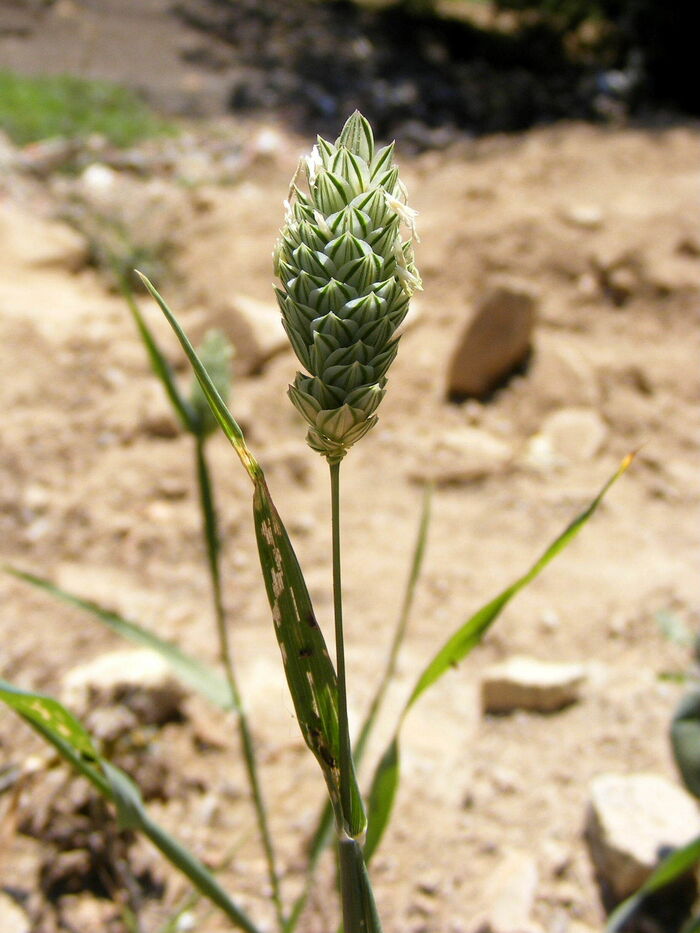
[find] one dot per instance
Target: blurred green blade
(225, 419)
(188, 669)
(672, 868)
(692, 926)
(359, 911)
(381, 796)
(160, 366)
(685, 740)
(470, 634)
(307, 665)
(67, 735)
(387, 775)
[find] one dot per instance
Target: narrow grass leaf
(382, 795)
(159, 364)
(310, 674)
(457, 647)
(196, 675)
(672, 868)
(69, 737)
(693, 925)
(225, 419)
(308, 668)
(51, 716)
(471, 633)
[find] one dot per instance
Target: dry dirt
(93, 495)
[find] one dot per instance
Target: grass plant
(38, 107)
(347, 275)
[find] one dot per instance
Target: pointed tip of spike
(357, 136)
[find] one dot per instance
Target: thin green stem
(211, 535)
(346, 767)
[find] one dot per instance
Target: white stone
(256, 332)
(571, 435)
(632, 822)
(510, 896)
(12, 918)
(495, 341)
(586, 216)
(465, 454)
(27, 241)
(526, 683)
(137, 681)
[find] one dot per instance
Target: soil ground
(97, 494)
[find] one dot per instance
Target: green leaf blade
(455, 649)
(70, 738)
(308, 668)
(224, 418)
(671, 869)
(193, 673)
(470, 634)
(160, 366)
(381, 796)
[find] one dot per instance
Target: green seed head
(347, 276)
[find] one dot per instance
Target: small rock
(510, 896)
(12, 918)
(633, 821)
(571, 435)
(84, 911)
(495, 341)
(161, 424)
(47, 155)
(557, 857)
(587, 216)
(560, 374)
(255, 329)
(621, 284)
(464, 455)
(138, 680)
(525, 683)
(29, 242)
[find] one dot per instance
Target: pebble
(495, 340)
(30, 242)
(526, 683)
(571, 435)
(510, 896)
(256, 331)
(465, 454)
(586, 216)
(632, 821)
(12, 918)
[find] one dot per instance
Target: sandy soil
(96, 492)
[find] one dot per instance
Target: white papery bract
(347, 276)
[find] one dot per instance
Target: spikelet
(347, 276)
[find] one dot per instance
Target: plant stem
(352, 883)
(211, 535)
(344, 730)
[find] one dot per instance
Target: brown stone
(495, 341)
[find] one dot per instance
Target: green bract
(347, 277)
